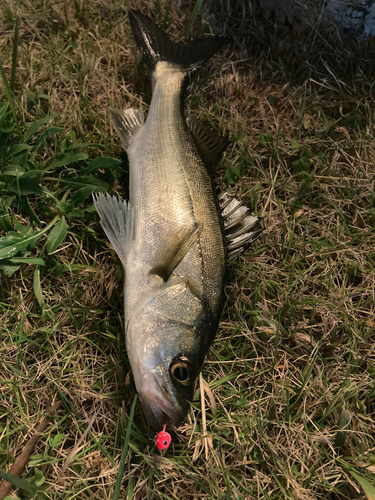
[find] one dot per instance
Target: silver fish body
(170, 236)
(172, 196)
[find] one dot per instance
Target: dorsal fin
(209, 143)
(241, 226)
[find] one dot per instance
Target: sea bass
(172, 234)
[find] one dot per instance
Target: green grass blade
(28, 260)
(37, 287)
(130, 492)
(196, 10)
(367, 487)
(16, 42)
(116, 494)
(9, 95)
(18, 482)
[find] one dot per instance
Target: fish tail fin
(117, 220)
(156, 46)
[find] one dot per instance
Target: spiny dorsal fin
(241, 226)
(172, 251)
(209, 143)
(117, 220)
(127, 123)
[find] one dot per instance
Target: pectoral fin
(117, 220)
(172, 252)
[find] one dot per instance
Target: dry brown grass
(295, 348)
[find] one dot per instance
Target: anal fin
(172, 251)
(127, 123)
(117, 220)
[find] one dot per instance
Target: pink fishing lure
(163, 439)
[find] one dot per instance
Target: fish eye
(181, 371)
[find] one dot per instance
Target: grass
(288, 385)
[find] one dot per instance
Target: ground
(285, 407)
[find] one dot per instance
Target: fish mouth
(160, 406)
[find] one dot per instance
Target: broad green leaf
(20, 229)
(81, 195)
(18, 482)
(36, 459)
(5, 222)
(266, 139)
(33, 128)
(68, 158)
(87, 180)
(17, 149)
(12, 265)
(47, 133)
(101, 162)
(13, 244)
(75, 213)
(82, 145)
(9, 269)
(28, 260)
(6, 129)
(61, 205)
(28, 165)
(6, 201)
(295, 144)
(13, 170)
(31, 174)
(300, 166)
(56, 440)
(306, 154)
(39, 477)
(30, 211)
(367, 487)
(25, 186)
(57, 235)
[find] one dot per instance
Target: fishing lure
(163, 439)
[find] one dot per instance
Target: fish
(176, 233)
